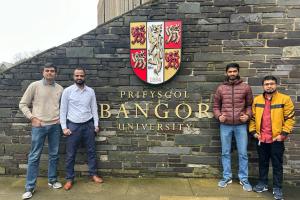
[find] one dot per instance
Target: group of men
(270, 118)
(72, 111)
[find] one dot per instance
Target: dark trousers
(273, 151)
(80, 132)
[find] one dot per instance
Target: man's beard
(233, 78)
(270, 92)
(50, 79)
(79, 82)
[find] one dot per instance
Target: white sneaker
(55, 185)
(27, 194)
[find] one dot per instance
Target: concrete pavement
(138, 189)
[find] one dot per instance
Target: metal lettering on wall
(139, 104)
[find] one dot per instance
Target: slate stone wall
(263, 36)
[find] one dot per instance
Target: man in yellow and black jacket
(272, 121)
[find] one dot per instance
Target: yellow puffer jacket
(282, 114)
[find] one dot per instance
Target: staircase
(108, 9)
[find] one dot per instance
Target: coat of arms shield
(155, 50)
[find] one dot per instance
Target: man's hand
(97, 129)
(67, 131)
(244, 117)
(257, 136)
(279, 138)
(222, 118)
(35, 122)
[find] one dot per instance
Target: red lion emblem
(139, 34)
(172, 60)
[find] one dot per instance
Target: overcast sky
(30, 25)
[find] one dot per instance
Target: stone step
(191, 198)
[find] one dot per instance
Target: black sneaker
(277, 192)
(260, 187)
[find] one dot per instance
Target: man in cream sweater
(40, 104)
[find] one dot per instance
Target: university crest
(155, 50)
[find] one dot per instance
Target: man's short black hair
(50, 65)
(268, 78)
(233, 65)
(81, 69)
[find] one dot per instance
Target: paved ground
(139, 189)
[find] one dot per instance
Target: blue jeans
(38, 136)
(241, 137)
(80, 132)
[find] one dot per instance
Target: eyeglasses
(49, 70)
(79, 75)
(269, 84)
